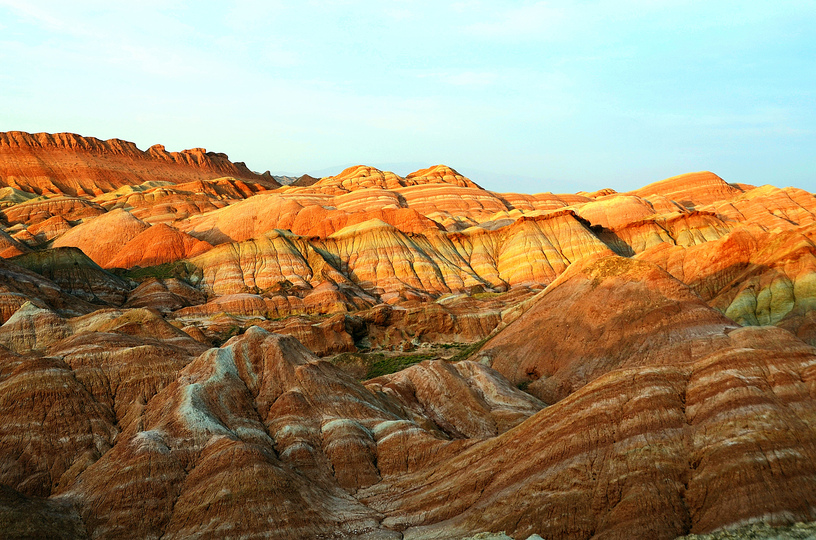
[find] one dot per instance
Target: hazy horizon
(519, 96)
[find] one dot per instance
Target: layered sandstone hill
(65, 163)
(591, 365)
(672, 439)
(359, 177)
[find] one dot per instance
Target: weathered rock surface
(76, 274)
(19, 285)
(690, 190)
(164, 295)
(102, 238)
(655, 413)
(9, 247)
(69, 164)
(603, 314)
(157, 245)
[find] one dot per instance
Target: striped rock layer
(709, 429)
(641, 363)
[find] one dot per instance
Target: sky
(520, 96)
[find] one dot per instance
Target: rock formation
(188, 349)
(69, 164)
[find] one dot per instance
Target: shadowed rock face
(76, 274)
(637, 364)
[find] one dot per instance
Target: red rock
(9, 247)
(65, 163)
(439, 174)
(103, 237)
(164, 295)
(157, 245)
(603, 314)
(48, 230)
(19, 285)
(690, 190)
(37, 211)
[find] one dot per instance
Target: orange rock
(19, 285)
(48, 230)
(102, 238)
(603, 314)
(157, 245)
(690, 190)
(164, 295)
(673, 448)
(65, 163)
(613, 211)
(358, 177)
(439, 174)
(39, 210)
(770, 207)
(9, 247)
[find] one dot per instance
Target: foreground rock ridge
(189, 349)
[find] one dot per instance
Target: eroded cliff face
(66, 163)
(188, 350)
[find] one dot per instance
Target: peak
(362, 171)
(439, 174)
(434, 170)
(691, 189)
(360, 177)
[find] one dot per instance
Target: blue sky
(520, 96)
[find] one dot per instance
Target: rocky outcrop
(610, 390)
(102, 238)
(38, 210)
(19, 285)
(157, 245)
(666, 446)
(384, 261)
(9, 247)
(163, 202)
(69, 164)
(463, 399)
(691, 190)
(74, 273)
(264, 406)
(603, 314)
(753, 276)
(164, 295)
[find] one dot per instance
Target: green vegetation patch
(486, 295)
(468, 350)
(368, 365)
(179, 270)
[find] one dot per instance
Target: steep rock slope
(66, 163)
(19, 285)
(690, 190)
(603, 314)
(76, 274)
(156, 245)
(666, 425)
(384, 261)
(261, 424)
(753, 276)
(101, 238)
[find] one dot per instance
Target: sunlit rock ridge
(190, 349)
